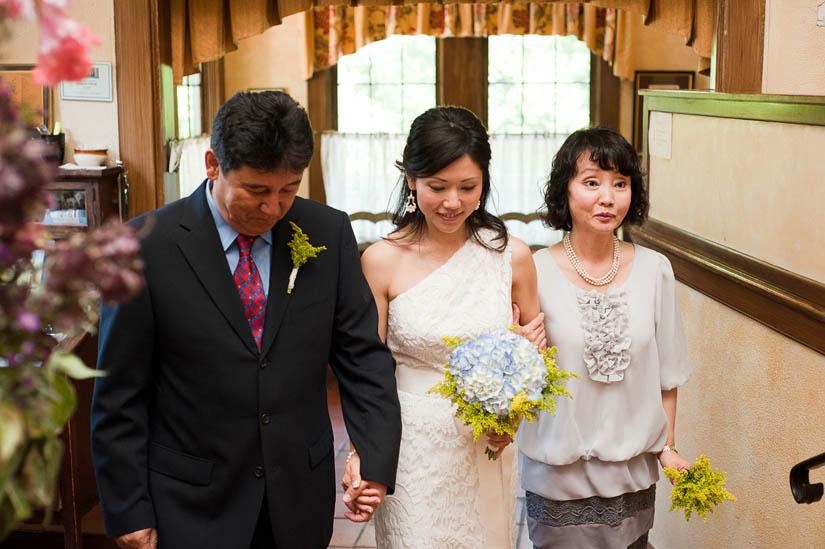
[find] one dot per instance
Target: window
(538, 84)
(189, 107)
(382, 87)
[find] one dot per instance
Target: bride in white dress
(449, 269)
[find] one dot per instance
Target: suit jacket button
(263, 363)
(265, 419)
(259, 472)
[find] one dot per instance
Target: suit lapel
(280, 267)
(201, 247)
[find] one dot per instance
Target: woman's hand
(533, 330)
(672, 459)
(498, 442)
(353, 487)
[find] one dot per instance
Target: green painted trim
(794, 109)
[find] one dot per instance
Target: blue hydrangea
(495, 367)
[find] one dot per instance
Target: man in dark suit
(211, 428)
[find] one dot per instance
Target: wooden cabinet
(83, 199)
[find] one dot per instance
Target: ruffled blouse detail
(606, 325)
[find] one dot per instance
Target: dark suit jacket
(192, 423)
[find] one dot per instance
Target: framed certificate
(95, 87)
(33, 100)
(655, 80)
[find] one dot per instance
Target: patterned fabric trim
(593, 510)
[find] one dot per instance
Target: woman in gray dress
(611, 309)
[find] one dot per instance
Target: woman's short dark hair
(610, 151)
(265, 131)
(438, 137)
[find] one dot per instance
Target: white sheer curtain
(519, 168)
(360, 176)
(192, 168)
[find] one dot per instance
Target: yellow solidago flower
(301, 251)
(698, 489)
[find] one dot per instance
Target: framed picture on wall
(33, 100)
(655, 80)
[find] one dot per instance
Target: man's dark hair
(264, 131)
(610, 151)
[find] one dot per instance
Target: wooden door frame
(740, 45)
(137, 59)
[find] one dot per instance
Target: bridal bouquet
(498, 379)
(698, 489)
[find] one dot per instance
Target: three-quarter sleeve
(674, 366)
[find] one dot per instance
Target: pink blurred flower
(64, 45)
(19, 8)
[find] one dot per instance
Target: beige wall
(794, 60)
(274, 59)
(762, 197)
(655, 50)
(754, 406)
(83, 121)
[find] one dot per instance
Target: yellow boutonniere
(301, 251)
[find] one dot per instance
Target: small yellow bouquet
(698, 489)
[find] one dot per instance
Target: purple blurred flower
(28, 321)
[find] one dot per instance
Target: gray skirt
(605, 523)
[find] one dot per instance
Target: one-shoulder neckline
(434, 271)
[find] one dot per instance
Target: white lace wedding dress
(447, 493)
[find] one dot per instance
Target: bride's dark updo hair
(438, 137)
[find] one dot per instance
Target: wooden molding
(791, 304)
(137, 54)
(376, 217)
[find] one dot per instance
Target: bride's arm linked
(361, 496)
(525, 295)
(525, 298)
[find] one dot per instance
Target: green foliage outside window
(537, 84)
(383, 86)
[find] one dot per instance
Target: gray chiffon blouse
(627, 345)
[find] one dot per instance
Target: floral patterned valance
(339, 30)
(205, 30)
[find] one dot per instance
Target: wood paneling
(740, 44)
(605, 88)
(212, 92)
(323, 114)
(790, 304)
(137, 54)
(461, 74)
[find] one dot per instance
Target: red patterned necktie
(250, 288)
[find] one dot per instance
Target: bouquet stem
(491, 454)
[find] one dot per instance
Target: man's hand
(362, 497)
(142, 539)
(369, 496)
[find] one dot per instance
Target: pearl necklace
(574, 261)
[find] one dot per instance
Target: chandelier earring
(410, 206)
(478, 205)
